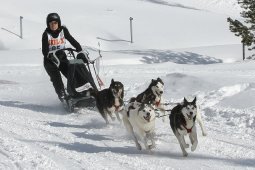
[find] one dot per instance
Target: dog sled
(78, 97)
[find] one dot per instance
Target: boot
(62, 95)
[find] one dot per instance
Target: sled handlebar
(68, 49)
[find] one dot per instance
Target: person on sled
(54, 38)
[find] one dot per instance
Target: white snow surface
(186, 43)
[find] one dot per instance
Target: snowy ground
(37, 133)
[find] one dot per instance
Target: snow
(187, 43)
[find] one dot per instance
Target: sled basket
(79, 74)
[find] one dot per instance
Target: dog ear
(185, 101)
(122, 94)
(194, 101)
(141, 107)
(160, 80)
(112, 81)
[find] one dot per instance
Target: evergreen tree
(246, 29)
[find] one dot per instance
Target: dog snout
(147, 114)
(161, 92)
(191, 113)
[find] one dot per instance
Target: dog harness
(188, 130)
(158, 102)
(116, 107)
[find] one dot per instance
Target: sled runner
(78, 71)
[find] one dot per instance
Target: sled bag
(78, 75)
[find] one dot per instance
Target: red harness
(116, 107)
(158, 102)
(188, 130)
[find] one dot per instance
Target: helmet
(53, 17)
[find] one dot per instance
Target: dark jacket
(68, 36)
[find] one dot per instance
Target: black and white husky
(140, 120)
(182, 122)
(153, 94)
(110, 100)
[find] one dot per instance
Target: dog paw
(193, 147)
(152, 146)
(204, 134)
(185, 154)
(138, 146)
(107, 122)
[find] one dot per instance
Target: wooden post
(21, 29)
(131, 29)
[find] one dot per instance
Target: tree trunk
(243, 51)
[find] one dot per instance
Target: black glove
(53, 59)
(61, 55)
(83, 57)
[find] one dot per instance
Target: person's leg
(55, 78)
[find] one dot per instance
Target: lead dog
(153, 94)
(110, 100)
(140, 119)
(182, 122)
(199, 120)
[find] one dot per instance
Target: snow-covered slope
(37, 133)
(157, 24)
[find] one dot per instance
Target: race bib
(57, 43)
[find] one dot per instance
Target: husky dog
(140, 118)
(110, 100)
(199, 120)
(153, 94)
(182, 122)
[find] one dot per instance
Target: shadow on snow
(116, 40)
(90, 148)
(33, 107)
(94, 124)
(161, 56)
(162, 2)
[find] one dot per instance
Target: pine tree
(246, 29)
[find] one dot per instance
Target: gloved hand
(53, 59)
(83, 57)
(61, 55)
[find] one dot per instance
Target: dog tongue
(147, 118)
